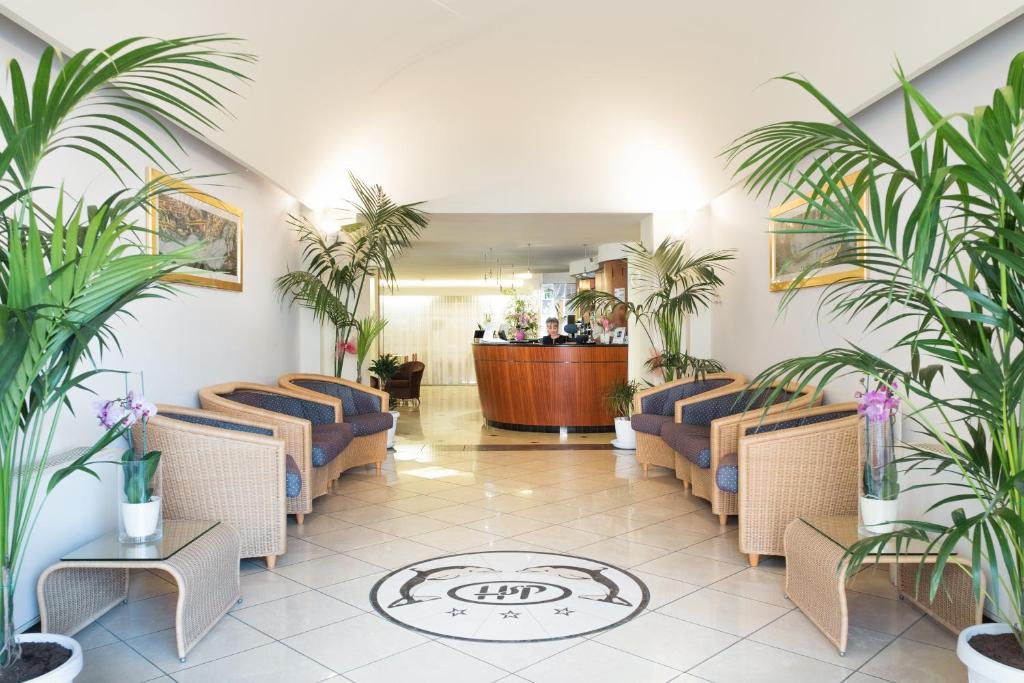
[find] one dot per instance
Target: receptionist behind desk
(553, 337)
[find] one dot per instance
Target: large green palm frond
(938, 227)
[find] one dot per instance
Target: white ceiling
(529, 105)
(457, 245)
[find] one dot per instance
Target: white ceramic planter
(878, 515)
(66, 672)
(394, 426)
(981, 669)
(141, 519)
(625, 437)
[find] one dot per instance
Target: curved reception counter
(543, 388)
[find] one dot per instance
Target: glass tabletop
(177, 535)
(845, 530)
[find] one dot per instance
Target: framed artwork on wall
(789, 253)
(188, 215)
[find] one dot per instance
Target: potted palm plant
(367, 331)
(66, 271)
(938, 226)
(384, 368)
(620, 400)
(673, 285)
(338, 266)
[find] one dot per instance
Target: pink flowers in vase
(344, 347)
(124, 411)
(879, 404)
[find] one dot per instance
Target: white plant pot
(878, 515)
(66, 672)
(141, 519)
(981, 669)
(394, 426)
(625, 437)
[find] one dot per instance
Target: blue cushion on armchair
(727, 477)
(353, 401)
(649, 423)
(292, 478)
(329, 440)
(693, 442)
(369, 423)
(316, 413)
(664, 402)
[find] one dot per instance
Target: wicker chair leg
(645, 466)
(754, 559)
(271, 561)
(723, 519)
(380, 466)
(299, 518)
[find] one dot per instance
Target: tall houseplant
(620, 401)
(938, 225)
(67, 270)
(338, 266)
(673, 285)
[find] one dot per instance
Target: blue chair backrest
(353, 402)
(800, 422)
(219, 423)
(664, 402)
(707, 411)
(316, 413)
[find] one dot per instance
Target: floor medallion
(509, 596)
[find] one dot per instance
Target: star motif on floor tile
(456, 612)
(510, 615)
(565, 611)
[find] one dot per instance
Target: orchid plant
(138, 464)
(879, 407)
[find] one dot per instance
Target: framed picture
(187, 216)
(789, 254)
(619, 336)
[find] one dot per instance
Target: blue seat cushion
(649, 423)
(292, 478)
(693, 442)
(329, 440)
(369, 423)
(727, 476)
(353, 401)
(316, 413)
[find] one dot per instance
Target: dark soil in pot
(999, 647)
(36, 659)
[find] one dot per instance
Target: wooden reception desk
(541, 388)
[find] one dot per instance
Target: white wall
(199, 337)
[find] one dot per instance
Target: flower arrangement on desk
(523, 318)
(140, 518)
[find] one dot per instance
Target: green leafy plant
(384, 368)
(938, 225)
(620, 397)
(338, 266)
(367, 331)
(673, 285)
(67, 271)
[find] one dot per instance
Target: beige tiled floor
(710, 618)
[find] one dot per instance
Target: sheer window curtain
(439, 329)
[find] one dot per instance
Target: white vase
(394, 426)
(66, 672)
(981, 669)
(625, 437)
(140, 522)
(878, 516)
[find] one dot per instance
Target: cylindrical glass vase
(879, 505)
(140, 513)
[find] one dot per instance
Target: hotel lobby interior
(464, 340)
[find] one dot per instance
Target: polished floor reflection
(710, 616)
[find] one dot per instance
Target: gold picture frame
(789, 253)
(187, 215)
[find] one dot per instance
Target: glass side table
(201, 557)
(816, 565)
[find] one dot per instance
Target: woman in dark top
(553, 337)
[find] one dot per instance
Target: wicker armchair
(363, 407)
(706, 429)
(218, 467)
(804, 462)
(654, 407)
(405, 385)
(295, 416)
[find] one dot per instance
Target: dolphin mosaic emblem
(435, 574)
(564, 571)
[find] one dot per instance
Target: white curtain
(439, 330)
